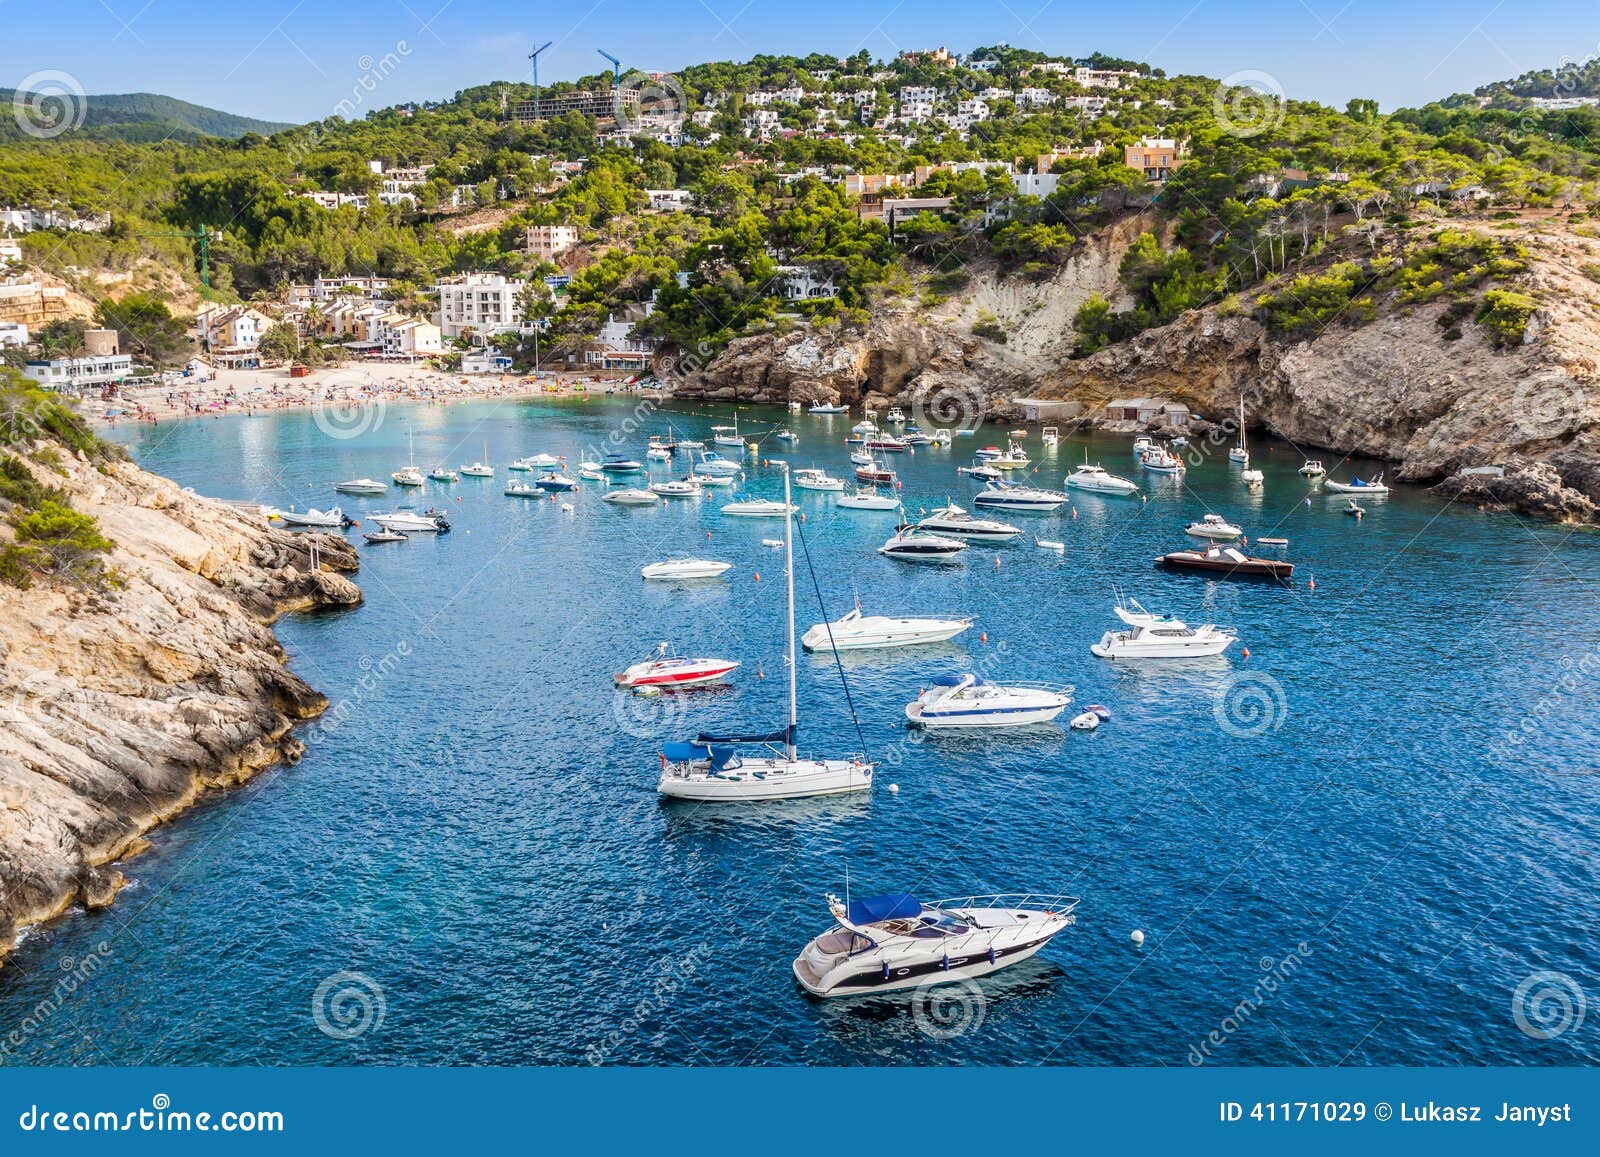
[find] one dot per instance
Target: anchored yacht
(1153, 636)
(957, 523)
(970, 701)
(858, 632)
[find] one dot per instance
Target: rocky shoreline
(124, 703)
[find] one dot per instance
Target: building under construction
(602, 106)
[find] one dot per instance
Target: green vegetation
(1505, 315)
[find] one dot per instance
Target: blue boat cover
(784, 736)
(954, 680)
(684, 752)
(899, 906)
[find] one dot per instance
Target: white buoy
(894, 789)
(1138, 936)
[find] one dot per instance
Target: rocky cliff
(121, 704)
(1431, 396)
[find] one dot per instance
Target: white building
(918, 92)
(618, 349)
(702, 118)
(669, 200)
(328, 288)
(547, 242)
(802, 283)
(761, 122)
(913, 112)
(1036, 184)
(10, 250)
(482, 303)
(1036, 97)
(76, 373)
(13, 333)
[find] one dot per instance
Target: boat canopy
(957, 681)
(899, 906)
(784, 735)
(718, 754)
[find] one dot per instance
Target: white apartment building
(802, 283)
(1036, 97)
(10, 250)
(761, 122)
(328, 288)
(13, 333)
(77, 373)
(669, 200)
(548, 242)
(481, 303)
(1036, 184)
(918, 92)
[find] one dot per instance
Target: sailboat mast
(788, 561)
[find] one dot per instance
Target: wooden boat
(1226, 560)
(874, 475)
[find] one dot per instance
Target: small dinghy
(773, 543)
(1050, 544)
(1087, 721)
(386, 536)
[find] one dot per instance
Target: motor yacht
(620, 464)
(1003, 495)
(677, 488)
(858, 632)
(1098, 480)
(1142, 443)
(826, 408)
(686, 568)
(690, 444)
(718, 480)
(1252, 476)
(1151, 636)
(957, 523)
(815, 479)
(522, 490)
(1312, 468)
(1050, 436)
(989, 453)
(632, 496)
(591, 471)
(915, 546)
(884, 943)
(333, 518)
(1159, 460)
(410, 522)
(658, 454)
(713, 463)
(408, 476)
(971, 701)
(1226, 560)
(555, 480)
(1214, 527)
(1357, 486)
(663, 669)
(746, 507)
(361, 486)
(535, 462)
(1014, 458)
(886, 442)
(867, 498)
(895, 415)
(980, 470)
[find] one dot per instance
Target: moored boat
(1226, 560)
(967, 700)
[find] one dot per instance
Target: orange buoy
(708, 536)
(1247, 652)
(983, 636)
(996, 562)
(760, 674)
(1074, 512)
(1312, 585)
(758, 576)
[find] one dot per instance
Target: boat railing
(1034, 685)
(1058, 902)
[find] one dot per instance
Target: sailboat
(710, 768)
(1239, 454)
(480, 468)
(409, 475)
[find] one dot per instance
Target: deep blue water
(475, 826)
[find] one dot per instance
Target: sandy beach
(267, 390)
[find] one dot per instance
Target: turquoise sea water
(1371, 842)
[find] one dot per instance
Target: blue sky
(297, 59)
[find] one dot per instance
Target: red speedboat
(660, 669)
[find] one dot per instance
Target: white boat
(824, 408)
(1159, 460)
(522, 490)
(675, 488)
(704, 480)
(1098, 480)
(867, 498)
(480, 468)
(1179, 441)
(895, 415)
(1142, 443)
(1251, 475)
(884, 943)
(1356, 486)
(957, 523)
(1004, 496)
(1239, 455)
(786, 435)
(1050, 544)
(981, 470)
(361, 486)
(410, 522)
(813, 478)
(686, 568)
(970, 701)
(727, 435)
(1050, 436)
(794, 407)
(711, 768)
(867, 426)
(689, 444)
(990, 453)
(535, 462)
(662, 669)
(861, 458)
(443, 474)
(333, 517)
(1312, 468)
(1014, 458)
(555, 480)
(658, 454)
(620, 464)
(1159, 637)
(1084, 721)
(915, 546)
(713, 463)
(1214, 527)
(591, 471)
(746, 507)
(632, 496)
(858, 632)
(408, 476)
(943, 438)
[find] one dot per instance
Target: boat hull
(769, 779)
(852, 637)
(1254, 568)
(867, 973)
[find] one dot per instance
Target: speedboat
(679, 488)
(555, 480)
(443, 474)
(914, 436)
(1099, 480)
(1005, 496)
(858, 632)
(746, 507)
(1312, 468)
(686, 568)
(886, 442)
(386, 536)
(408, 476)
(1050, 436)
(884, 943)
(727, 435)
(895, 415)
(410, 522)
(990, 453)
(523, 490)
(1159, 637)
(333, 518)
(914, 546)
(957, 523)
(970, 701)
(361, 486)
(1356, 486)
(620, 464)
(1226, 560)
(1014, 458)
(867, 498)
(786, 435)
(590, 471)
(1142, 443)
(1215, 527)
(703, 480)
(690, 444)
(981, 470)
(1159, 460)
(658, 454)
(825, 408)
(713, 463)
(662, 669)
(632, 496)
(535, 462)
(1252, 476)
(815, 479)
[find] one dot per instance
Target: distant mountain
(141, 116)
(1574, 78)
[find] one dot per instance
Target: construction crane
(534, 56)
(204, 236)
(616, 66)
